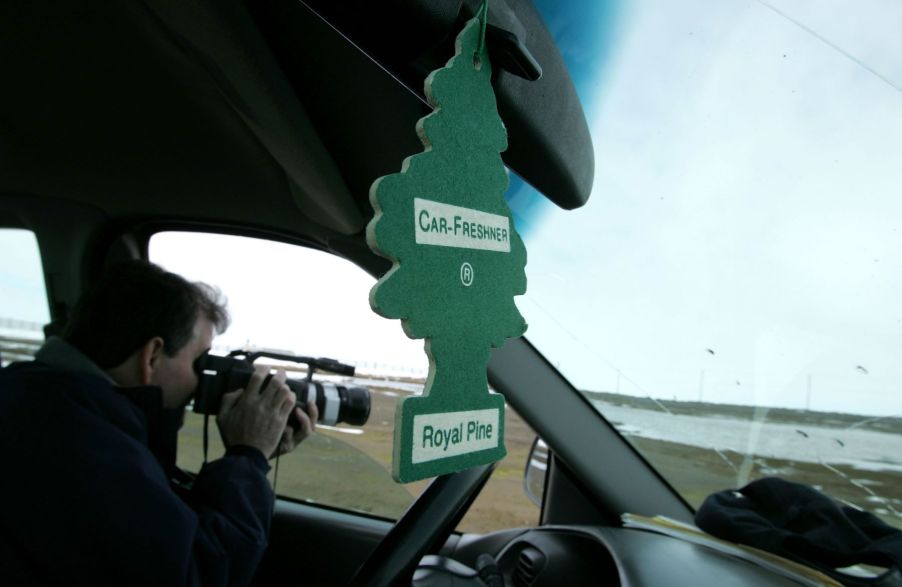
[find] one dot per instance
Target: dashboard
(577, 556)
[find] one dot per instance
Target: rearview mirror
(536, 471)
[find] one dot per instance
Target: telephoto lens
(335, 403)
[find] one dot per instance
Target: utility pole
(808, 395)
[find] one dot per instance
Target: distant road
(413, 388)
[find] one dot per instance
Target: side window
(24, 310)
(304, 302)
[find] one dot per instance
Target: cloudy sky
(746, 201)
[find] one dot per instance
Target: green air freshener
(457, 263)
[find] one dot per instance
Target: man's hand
(302, 426)
(255, 417)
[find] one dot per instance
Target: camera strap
(275, 474)
(206, 436)
(275, 479)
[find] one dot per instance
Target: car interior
(271, 119)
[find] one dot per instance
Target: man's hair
(136, 301)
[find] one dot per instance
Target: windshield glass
(729, 298)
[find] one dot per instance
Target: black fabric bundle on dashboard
(802, 524)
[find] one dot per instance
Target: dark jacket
(83, 500)
(800, 523)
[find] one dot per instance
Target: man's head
(146, 326)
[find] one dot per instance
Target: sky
(285, 297)
(743, 241)
(746, 202)
(22, 294)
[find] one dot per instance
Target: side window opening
(300, 301)
(24, 310)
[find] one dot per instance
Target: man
(87, 439)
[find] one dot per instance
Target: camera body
(336, 403)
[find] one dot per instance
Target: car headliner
(179, 110)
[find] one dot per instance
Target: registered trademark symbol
(466, 274)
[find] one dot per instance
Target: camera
(336, 403)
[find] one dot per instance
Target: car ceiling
(186, 110)
(114, 105)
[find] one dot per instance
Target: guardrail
(21, 342)
(22, 325)
(18, 348)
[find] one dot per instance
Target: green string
(484, 19)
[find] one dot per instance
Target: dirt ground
(353, 471)
(697, 472)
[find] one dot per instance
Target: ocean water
(863, 449)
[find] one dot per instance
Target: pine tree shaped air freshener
(457, 263)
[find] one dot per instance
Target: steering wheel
(423, 527)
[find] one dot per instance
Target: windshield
(729, 298)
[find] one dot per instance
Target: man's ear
(149, 358)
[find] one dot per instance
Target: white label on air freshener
(437, 436)
(445, 225)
